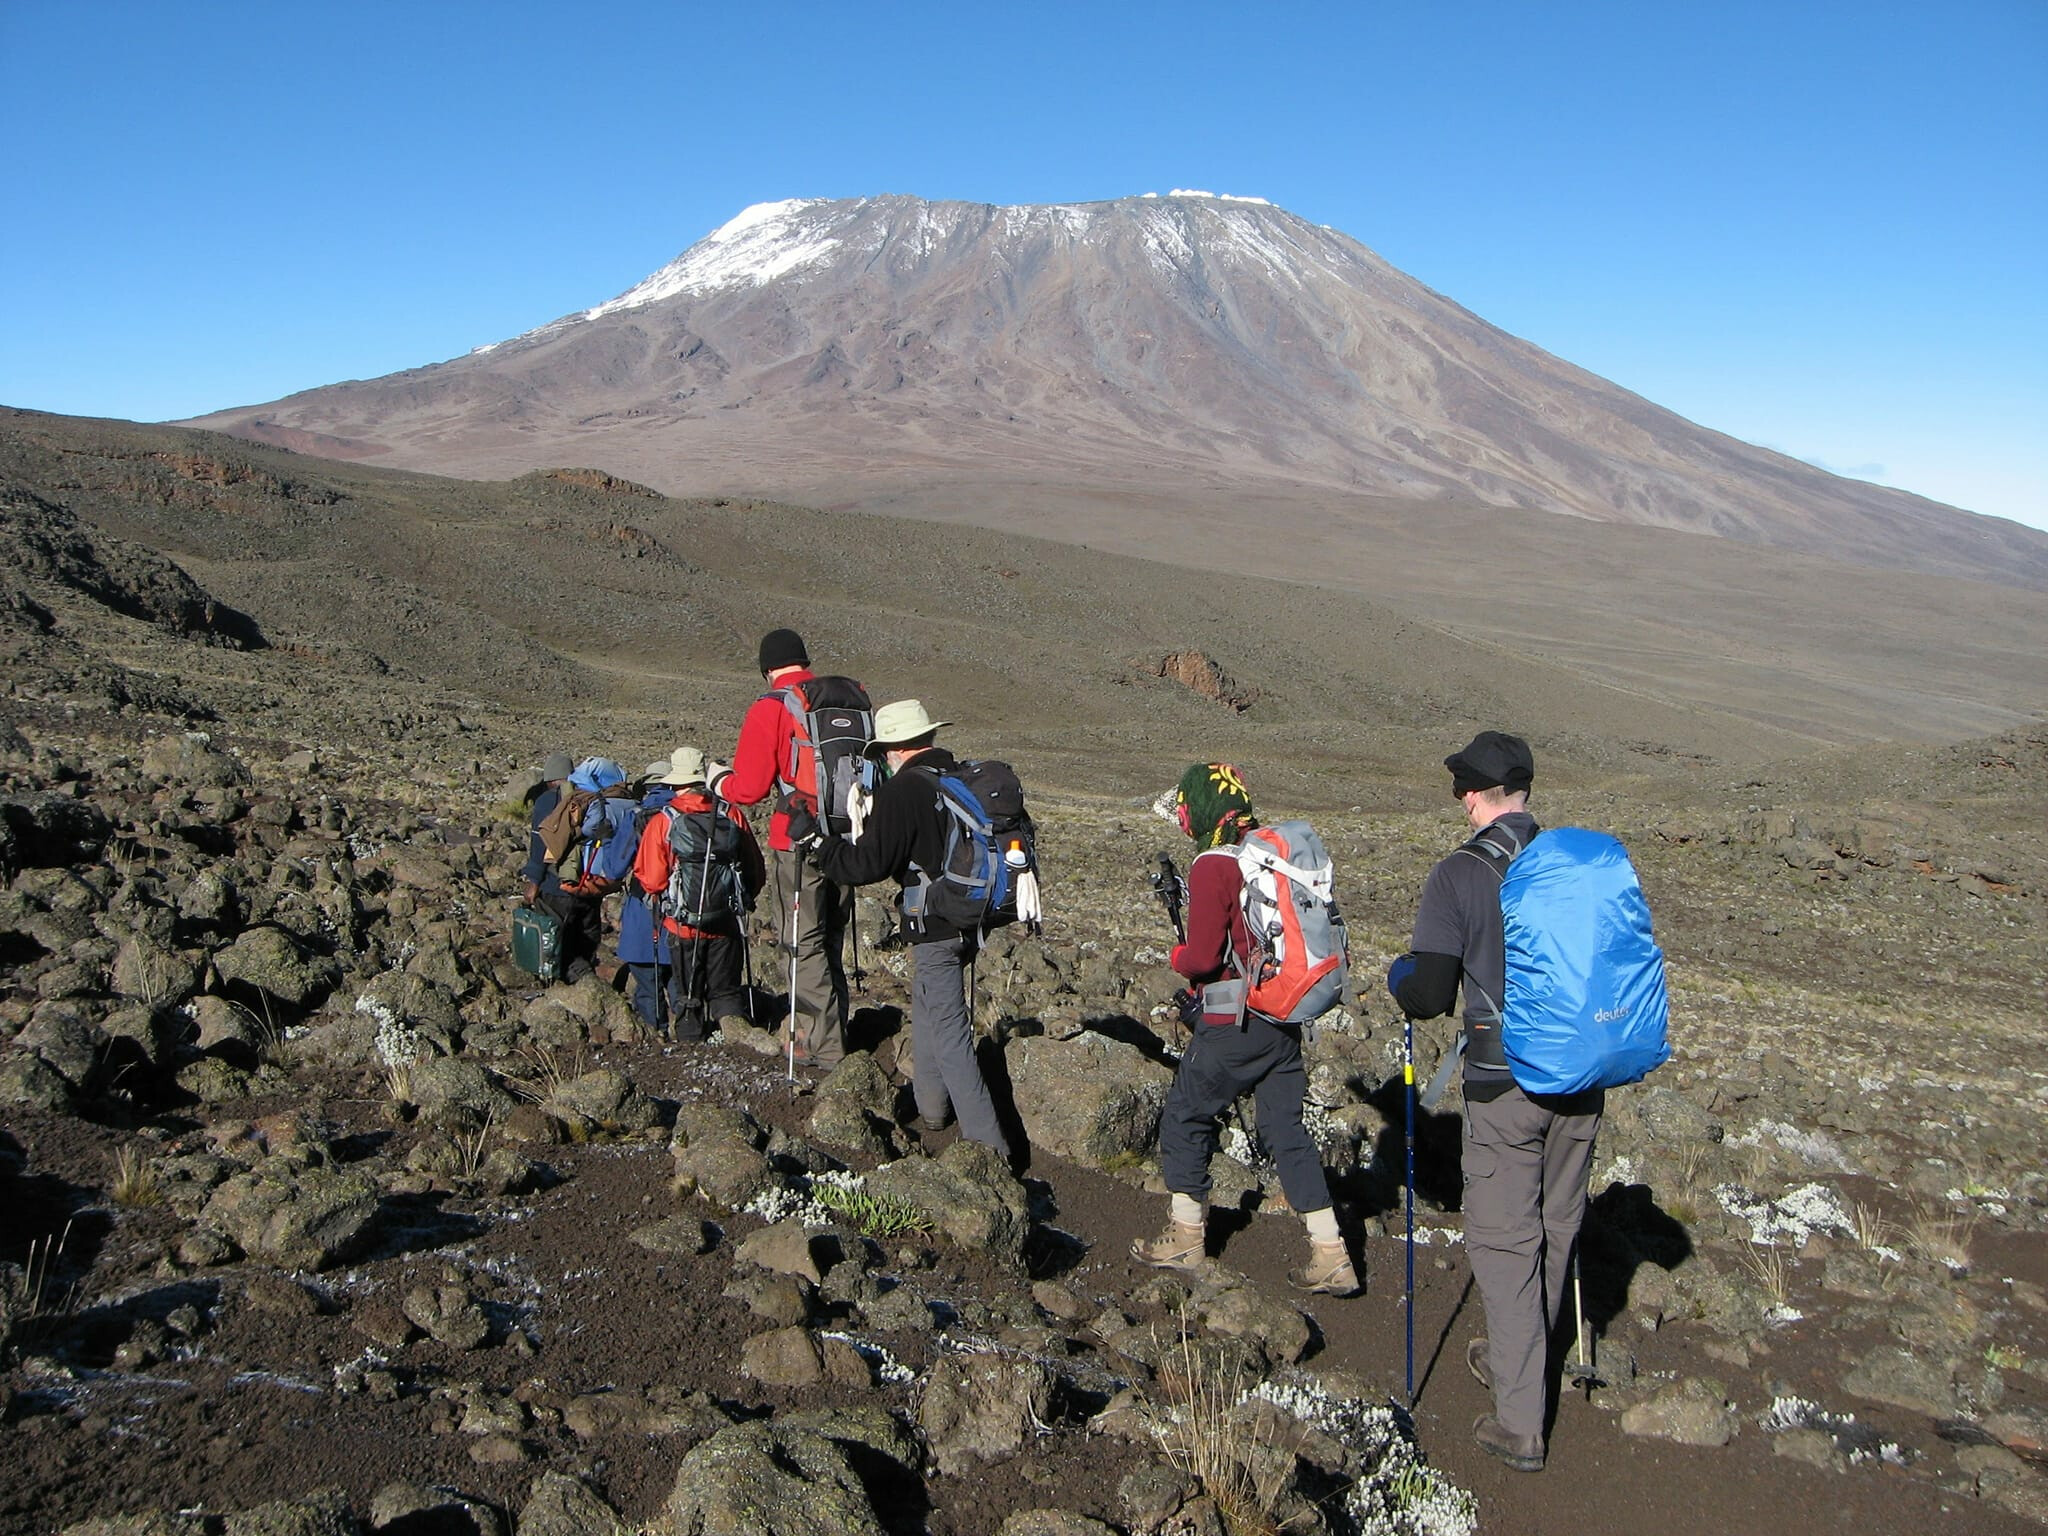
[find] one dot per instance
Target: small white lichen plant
(1400, 1494)
(398, 1045)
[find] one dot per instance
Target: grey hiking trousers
(944, 1073)
(1526, 1166)
(820, 922)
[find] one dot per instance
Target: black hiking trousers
(1221, 1064)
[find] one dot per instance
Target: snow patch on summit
(756, 246)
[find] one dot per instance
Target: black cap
(782, 648)
(1492, 759)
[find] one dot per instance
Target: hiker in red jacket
(811, 912)
(705, 957)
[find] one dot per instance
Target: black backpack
(990, 842)
(827, 751)
(705, 885)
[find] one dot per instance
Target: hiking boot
(928, 1127)
(1328, 1271)
(1178, 1247)
(1479, 1361)
(1524, 1455)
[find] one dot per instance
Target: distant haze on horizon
(1820, 231)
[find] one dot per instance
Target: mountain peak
(835, 347)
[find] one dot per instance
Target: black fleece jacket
(905, 832)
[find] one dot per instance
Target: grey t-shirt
(1460, 915)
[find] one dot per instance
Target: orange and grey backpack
(1301, 957)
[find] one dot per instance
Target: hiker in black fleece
(905, 832)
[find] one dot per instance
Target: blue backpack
(1586, 1005)
(990, 843)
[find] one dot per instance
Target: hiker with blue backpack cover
(1255, 983)
(913, 826)
(1548, 937)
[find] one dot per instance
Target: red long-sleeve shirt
(1214, 912)
(763, 754)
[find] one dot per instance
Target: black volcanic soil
(249, 1411)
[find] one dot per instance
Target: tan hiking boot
(1523, 1455)
(1178, 1247)
(1328, 1270)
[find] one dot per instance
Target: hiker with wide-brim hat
(1526, 1157)
(1223, 1061)
(707, 954)
(905, 831)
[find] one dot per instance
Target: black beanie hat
(1492, 759)
(782, 648)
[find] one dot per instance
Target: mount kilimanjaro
(956, 359)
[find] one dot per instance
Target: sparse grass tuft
(471, 1144)
(547, 1073)
(135, 1182)
(1768, 1267)
(1873, 1231)
(1941, 1238)
(1206, 1439)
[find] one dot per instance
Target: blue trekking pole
(1408, 1094)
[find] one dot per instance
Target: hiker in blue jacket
(643, 943)
(1526, 1156)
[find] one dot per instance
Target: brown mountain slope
(842, 350)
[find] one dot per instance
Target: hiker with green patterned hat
(1234, 1051)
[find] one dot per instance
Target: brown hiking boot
(1523, 1455)
(1178, 1247)
(1479, 1361)
(1328, 1270)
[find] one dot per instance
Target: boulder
(458, 1094)
(1905, 1380)
(796, 1357)
(784, 1248)
(225, 1030)
(855, 1107)
(320, 1514)
(766, 1479)
(603, 1100)
(49, 830)
(448, 1313)
(981, 1409)
(673, 1234)
(1690, 1412)
(560, 1505)
(442, 1511)
(413, 1010)
(191, 761)
(1230, 1304)
(269, 960)
(306, 1218)
(1090, 1098)
(28, 1080)
(970, 1195)
(1052, 1522)
(60, 1034)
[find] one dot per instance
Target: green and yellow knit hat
(1218, 806)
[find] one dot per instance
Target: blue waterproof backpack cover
(1586, 1005)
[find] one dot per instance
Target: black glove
(802, 827)
(1188, 1004)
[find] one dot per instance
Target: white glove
(1028, 908)
(857, 805)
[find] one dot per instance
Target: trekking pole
(796, 905)
(1408, 1293)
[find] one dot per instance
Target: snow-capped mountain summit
(848, 347)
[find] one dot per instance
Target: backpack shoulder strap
(1495, 847)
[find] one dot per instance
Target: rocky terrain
(323, 1217)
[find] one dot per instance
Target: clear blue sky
(1819, 226)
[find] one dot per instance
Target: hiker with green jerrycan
(802, 741)
(1264, 956)
(910, 834)
(1549, 938)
